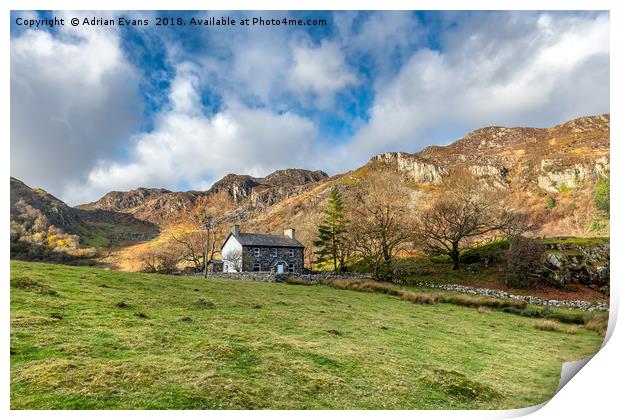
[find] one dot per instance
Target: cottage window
(257, 252)
(256, 267)
(291, 253)
(291, 268)
(274, 252)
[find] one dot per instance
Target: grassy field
(85, 338)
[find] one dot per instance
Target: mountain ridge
(535, 164)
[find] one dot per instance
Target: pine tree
(331, 231)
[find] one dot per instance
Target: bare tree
(523, 262)
(578, 218)
(379, 227)
(199, 245)
(163, 259)
(192, 247)
(465, 213)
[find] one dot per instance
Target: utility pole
(208, 226)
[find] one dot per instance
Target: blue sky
(95, 109)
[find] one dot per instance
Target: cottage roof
(260, 239)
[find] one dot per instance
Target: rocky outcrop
(413, 168)
(293, 177)
(556, 174)
(157, 204)
(575, 263)
(262, 192)
(237, 186)
(123, 200)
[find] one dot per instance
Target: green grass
(584, 241)
(206, 344)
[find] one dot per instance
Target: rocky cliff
(562, 157)
(246, 193)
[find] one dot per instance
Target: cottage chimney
(290, 232)
(235, 230)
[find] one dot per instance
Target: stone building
(244, 251)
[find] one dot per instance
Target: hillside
(532, 165)
(550, 171)
(37, 217)
(86, 338)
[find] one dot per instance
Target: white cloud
(320, 71)
(74, 100)
(187, 147)
(495, 70)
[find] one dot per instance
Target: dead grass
(547, 325)
(423, 298)
(362, 285)
(298, 281)
(373, 286)
(483, 310)
(597, 324)
(478, 301)
(571, 330)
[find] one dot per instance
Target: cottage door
(280, 267)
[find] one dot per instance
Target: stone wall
(267, 261)
(315, 277)
(578, 304)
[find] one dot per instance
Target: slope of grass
(89, 338)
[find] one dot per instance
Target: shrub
(522, 261)
(547, 325)
(564, 188)
(550, 202)
(601, 194)
(595, 226)
(483, 310)
(571, 330)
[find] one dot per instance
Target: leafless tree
(159, 260)
(379, 227)
(523, 262)
(463, 215)
(192, 247)
(194, 239)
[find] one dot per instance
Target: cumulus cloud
(74, 100)
(496, 69)
(319, 71)
(256, 101)
(187, 147)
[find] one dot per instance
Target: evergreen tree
(331, 231)
(601, 194)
